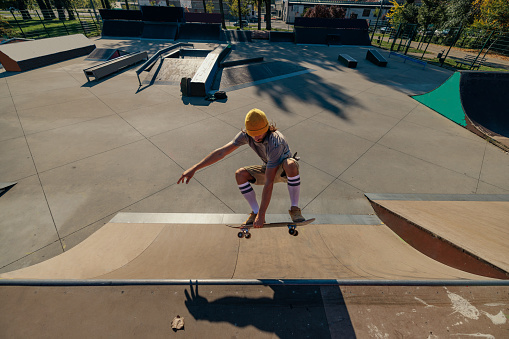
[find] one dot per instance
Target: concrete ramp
(476, 101)
(170, 71)
(469, 232)
(149, 248)
(160, 30)
(199, 32)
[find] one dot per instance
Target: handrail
(244, 282)
(153, 58)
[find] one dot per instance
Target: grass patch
(451, 63)
(387, 45)
(50, 28)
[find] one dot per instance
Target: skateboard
(292, 227)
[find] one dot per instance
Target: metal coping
(250, 282)
(204, 218)
(438, 197)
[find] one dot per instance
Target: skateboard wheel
(296, 233)
(240, 235)
(292, 231)
(248, 235)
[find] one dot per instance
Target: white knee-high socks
(294, 189)
(250, 195)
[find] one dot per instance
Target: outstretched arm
(210, 159)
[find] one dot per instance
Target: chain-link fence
(37, 24)
(464, 48)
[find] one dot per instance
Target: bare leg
(291, 168)
(242, 176)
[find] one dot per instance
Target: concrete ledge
(28, 55)
(111, 66)
(376, 58)
(202, 80)
(347, 60)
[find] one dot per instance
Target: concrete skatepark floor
(83, 152)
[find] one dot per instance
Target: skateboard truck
(292, 229)
(244, 232)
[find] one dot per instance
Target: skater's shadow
(287, 311)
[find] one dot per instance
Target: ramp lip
(437, 197)
(217, 218)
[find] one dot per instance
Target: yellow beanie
(256, 122)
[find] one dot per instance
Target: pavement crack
(482, 164)
(38, 173)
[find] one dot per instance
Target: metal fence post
(43, 25)
(485, 43)
(452, 44)
(377, 18)
(429, 41)
(19, 26)
(395, 37)
(79, 19)
(412, 35)
(63, 23)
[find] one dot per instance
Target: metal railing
(247, 282)
(437, 44)
(37, 24)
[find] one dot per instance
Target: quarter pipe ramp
(475, 100)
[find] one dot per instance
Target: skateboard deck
(292, 227)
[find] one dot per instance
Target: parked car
(442, 32)
(385, 30)
(244, 23)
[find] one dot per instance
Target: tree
(5, 28)
(432, 13)
(337, 12)
(268, 24)
(22, 5)
(238, 7)
(221, 10)
(47, 11)
(210, 6)
(492, 14)
(259, 14)
(403, 14)
(322, 11)
(106, 4)
(460, 13)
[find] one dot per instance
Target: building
(354, 9)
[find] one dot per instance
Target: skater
(279, 166)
